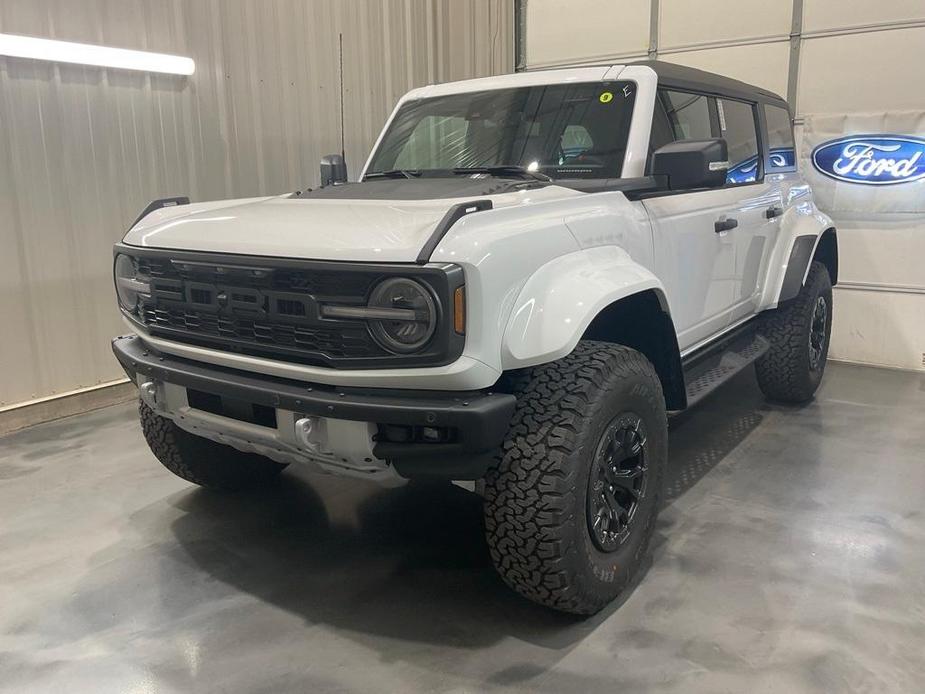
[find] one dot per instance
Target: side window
(661, 133)
(781, 152)
(688, 115)
(679, 116)
(737, 126)
(435, 143)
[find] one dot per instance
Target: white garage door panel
(884, 252)
(879, 328)
(686, 23)
(762, 64)
(823, 15)
(876, 71)
(569, 32)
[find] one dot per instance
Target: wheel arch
(804, 249)
(600, 294)
(826, 252)
(652, 333)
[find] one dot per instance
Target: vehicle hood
(368, 225)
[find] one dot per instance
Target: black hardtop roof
(685, 77)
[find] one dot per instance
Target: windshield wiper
(506, 171)
(393, 173)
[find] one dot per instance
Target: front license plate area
(232, 408)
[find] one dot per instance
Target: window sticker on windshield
(627, 91)
(606, 97)
(722, 116)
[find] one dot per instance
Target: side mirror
(692, 163)
(333, 170)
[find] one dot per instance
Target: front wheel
(570, 504)
(791, 370)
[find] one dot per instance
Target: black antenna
(342, 148)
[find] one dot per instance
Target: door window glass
(688, 115)
(737, 126)
(782, 154)
(661, 132)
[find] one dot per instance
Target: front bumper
(478, 420)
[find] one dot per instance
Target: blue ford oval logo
(876, 160)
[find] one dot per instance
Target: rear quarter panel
(801, 218)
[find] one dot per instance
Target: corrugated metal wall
(82, 150)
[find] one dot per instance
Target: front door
(711, 245)
(696, 264)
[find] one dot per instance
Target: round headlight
(128, 285)
(416, 315)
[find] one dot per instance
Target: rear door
(758, 206)
(696, 264)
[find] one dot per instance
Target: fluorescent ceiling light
(88, 54)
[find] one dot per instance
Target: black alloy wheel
(817, 332)
(617, 482)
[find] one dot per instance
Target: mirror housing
(333, 170)
(689, 164)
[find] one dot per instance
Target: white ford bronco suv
(530, 273)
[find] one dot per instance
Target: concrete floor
(789, 558)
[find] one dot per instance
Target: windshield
(560, 130)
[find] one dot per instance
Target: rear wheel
(202, 461)
(791, 370)
(570, 504)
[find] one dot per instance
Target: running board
(708, 373)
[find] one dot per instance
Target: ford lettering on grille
(230, 300)
(872, 159)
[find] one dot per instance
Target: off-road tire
(201, 461)
(536, 492)
(785, 372)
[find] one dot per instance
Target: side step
(708, 371)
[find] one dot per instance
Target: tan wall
(83, 150)
(855, 58)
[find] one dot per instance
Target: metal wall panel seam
(793, 69)
(865, 28)
(880, 287)
(654, 20)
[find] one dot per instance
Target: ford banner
(863, 166)
(875, 160)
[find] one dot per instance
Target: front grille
(269, 307)
(339, 343)
(332, 283)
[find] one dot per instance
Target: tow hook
(148, 393)
(308, 431)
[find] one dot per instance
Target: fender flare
(802, 253)
(558, 302)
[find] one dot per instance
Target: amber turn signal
(459, 310)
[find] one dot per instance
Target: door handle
(773, 212)
(721, 225)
